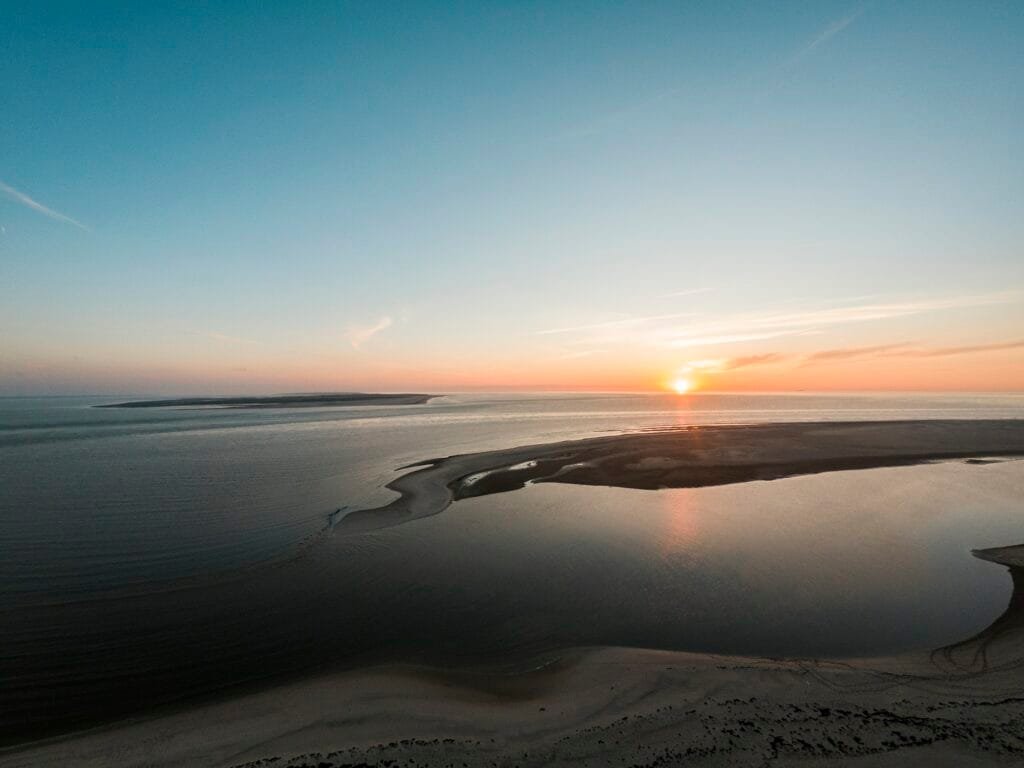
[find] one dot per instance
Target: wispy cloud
(626, 322)
(820, 39)
(754, 327)
(713, 366)
(358, 335)
(698, 339)
(965, 350)
(748, 361)
(690, 292)
(845, 353)
(668, 332)
(578, 355)
(827, 34)
(20, 197)
(906, 349)
(222, 337)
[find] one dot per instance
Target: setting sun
(682, 386)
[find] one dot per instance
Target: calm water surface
(146, 555)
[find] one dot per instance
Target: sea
(150, 557)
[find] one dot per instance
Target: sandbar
(690, 457)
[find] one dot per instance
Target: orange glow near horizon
(202, 367)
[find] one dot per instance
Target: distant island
(278, 401)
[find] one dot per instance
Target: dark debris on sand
(749, 731)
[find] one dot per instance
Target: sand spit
(691, 457)
(958, 706)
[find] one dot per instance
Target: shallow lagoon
(847, 563)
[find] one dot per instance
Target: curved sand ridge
(690, 457)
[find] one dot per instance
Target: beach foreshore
(958, 706)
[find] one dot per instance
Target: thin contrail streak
(35, 205)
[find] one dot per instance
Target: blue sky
(243, 197)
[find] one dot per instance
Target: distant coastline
(278, 401)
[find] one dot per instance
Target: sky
(239, 197)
